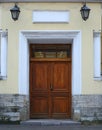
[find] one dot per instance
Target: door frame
(25, 38)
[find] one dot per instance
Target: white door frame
(49, 35)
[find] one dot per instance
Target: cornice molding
(28, 1)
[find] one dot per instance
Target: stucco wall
(89, 85)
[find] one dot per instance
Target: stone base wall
(84, 107)
(14, 107)
(87, 107)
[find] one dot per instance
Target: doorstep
(46, 122)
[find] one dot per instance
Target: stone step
(46, 122)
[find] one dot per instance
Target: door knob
(51, 87)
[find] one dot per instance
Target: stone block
(90, 107)
(14, 116)
(15, 106)
(76, 115)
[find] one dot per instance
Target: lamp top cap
(15, 8)
(85, 7)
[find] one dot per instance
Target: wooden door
(61, 89)
(50, 88)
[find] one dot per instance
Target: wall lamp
(15, 11)
(85, 12)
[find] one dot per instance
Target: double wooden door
(50, 88)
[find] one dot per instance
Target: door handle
(51, 87)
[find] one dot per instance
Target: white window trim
(25, 36)
(3, 55)
(97, 55)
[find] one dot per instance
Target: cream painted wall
(89, 86)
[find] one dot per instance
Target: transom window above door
(39, 51)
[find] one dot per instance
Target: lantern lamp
(85, 12)
(15, 11)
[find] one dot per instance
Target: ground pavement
(49, 127)
(50, 124)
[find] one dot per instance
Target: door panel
(39, 92)
(60, 76)
(60, 107)
(39, 107)
(40, 76)
(61, 93)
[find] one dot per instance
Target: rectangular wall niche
(50, 16)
